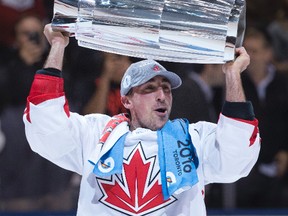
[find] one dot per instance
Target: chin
(160, 125)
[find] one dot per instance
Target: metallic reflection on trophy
(191, 31)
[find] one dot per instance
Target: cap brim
(172, 77)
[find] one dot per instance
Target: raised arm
(58, 43)
(51, 129)
(233, 70)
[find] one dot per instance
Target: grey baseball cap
(141, 72)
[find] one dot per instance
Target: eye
(150, 88)
(166, 88)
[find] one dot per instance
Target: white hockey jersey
(226, 151)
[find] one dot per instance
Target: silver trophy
(190, 31)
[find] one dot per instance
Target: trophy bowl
(188, 31)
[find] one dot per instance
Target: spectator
(202, 82)
(27, 181)
(278, 31)
(29, 53)
(81, 68)
(106, 98)
(268, 91)
(261, 17)
(11, 11)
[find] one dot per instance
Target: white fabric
(69, 142)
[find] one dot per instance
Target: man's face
(150, 104)
(115, 66)
(260, 55)
(27, 27)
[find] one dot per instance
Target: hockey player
(141, 163)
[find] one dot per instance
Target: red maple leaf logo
(156, 68)
(134, 192)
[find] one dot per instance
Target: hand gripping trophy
(190, 31)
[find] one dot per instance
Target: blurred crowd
(92, 81)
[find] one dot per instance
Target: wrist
(232, 77)
(59, 45)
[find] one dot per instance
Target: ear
(125, 100)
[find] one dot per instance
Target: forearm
(234, 88)
(48, 83)
(236, 105)
(55, 57)
(58, 44)
(232, 71)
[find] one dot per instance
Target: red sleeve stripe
(255, 131)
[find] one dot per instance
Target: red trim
(254, 135)
(44, 97)
(66, 107)
(27, 111)
(255, 131)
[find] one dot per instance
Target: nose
(160, 94)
